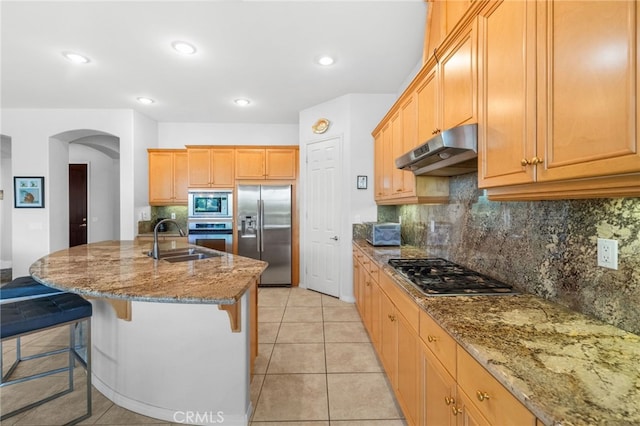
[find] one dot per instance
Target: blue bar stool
(28, 316)
(24, 288)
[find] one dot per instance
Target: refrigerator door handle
(261, 213)
(258, 228)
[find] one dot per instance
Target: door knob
(334, 238)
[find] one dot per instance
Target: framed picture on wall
(362, 182)
(28, 192)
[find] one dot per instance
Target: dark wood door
(77, 204)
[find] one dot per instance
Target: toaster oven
(383, 234)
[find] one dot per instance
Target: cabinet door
(408, 367)
(427, 95)
(397, 149)
(199, 164)
(356, 282)
(375, 316)
(387, 165)
(506, 114)
(458, 85)
(222, 163)
(180, 177)
(438, 392)
(468, 415)
(250, 163)
(389, 339)
(408, 112)
(281, 163)
(160, 178)
(589, 107)
(378, 165)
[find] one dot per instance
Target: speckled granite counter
(568, 369)
(122, 270)
(174, 353)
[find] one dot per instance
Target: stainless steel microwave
(211, 203)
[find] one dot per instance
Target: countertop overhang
(122, 270)
(566, 367)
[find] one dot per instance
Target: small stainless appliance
(213, 233)
(264, 229)
(383, 234)
(440, 277)
(210, 203)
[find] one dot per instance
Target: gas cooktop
(440, 277)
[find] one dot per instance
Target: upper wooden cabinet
(566, 125)
(167, 177)
(211, 167)
(442, 17)
(266, 163)
(507, 115)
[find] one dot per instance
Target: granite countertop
(122, 270)
(567, 368)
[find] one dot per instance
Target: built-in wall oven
(210, 221)
(214, 233)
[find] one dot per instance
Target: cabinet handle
(482, 395)
(533, 161)
(449, 400)
(399, 190)
(455, 410)
(431, 338)
(435, 131)
(392, 318)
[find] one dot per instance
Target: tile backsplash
(546, 248)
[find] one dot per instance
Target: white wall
(145, 133)
(177, 135)
(30, 132)
(352, 118)
(57, 189)
(6, 204)
(103, 191)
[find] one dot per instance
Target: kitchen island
(564, 367)
(166, 351)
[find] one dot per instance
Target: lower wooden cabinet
(491, 399)
(435, 381)
(437, 391)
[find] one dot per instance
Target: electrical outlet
(173, 215)
(608, 253)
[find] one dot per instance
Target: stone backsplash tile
(547, 248)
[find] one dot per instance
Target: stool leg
(72, 345)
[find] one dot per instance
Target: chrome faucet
(156, 247)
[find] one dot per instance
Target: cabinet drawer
(403, 303)
(492, 399)
(439, 341)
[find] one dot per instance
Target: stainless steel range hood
(449, 153)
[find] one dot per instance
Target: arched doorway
(6, 208)
(99, 153)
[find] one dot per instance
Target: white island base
(173, 361)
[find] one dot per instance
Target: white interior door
(324, 195)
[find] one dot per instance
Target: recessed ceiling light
(145, 101)
(326, 60)
(242, 102)
(183, 47)
(76, 58)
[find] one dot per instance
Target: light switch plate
(608, 253)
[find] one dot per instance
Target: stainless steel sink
(184, 255)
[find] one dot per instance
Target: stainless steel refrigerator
(264, 229)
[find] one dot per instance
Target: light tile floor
(316, 367)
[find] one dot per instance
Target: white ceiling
(261, 49)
